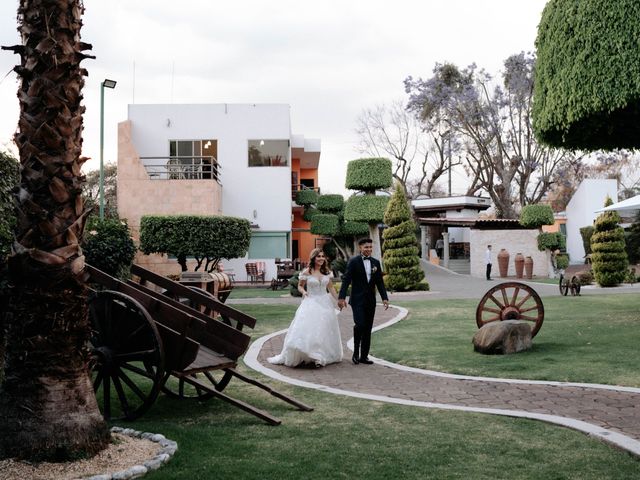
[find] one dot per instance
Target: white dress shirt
(487, 257)
(367, 268)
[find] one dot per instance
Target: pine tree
(401, 258)
(608, 257)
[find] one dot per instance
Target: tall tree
(494, 122)
(420, 157)
(47, 406)
(91, 191)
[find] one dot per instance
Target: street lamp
(108, 84)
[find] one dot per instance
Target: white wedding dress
(314, 334)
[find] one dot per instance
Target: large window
(269, 245)
(195, 159)
(268, 153)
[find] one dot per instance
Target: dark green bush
(608, 258)
(400, 230)
(9, 179)
(562, 261)
(293, 285)
(325, 224)
(306, 197)
(355, 229)
(208, 238)
(308, 213)
(107, 245)
(586, 234)
(369, 174)
(365, 208)
(551, 241)
(534, 216)
(587, 87)
(400, 242)
(586, 277)
(330, 203)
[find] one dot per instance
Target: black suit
(362, 300)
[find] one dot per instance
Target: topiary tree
(551, 241)
(536, 215)
(108, 246)
(401, 253)
(633, 241)
(608, 257)
(368, 175)
(586, 233)
(587, 87)
(209, 238)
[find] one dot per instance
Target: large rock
(508, 336)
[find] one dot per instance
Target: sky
(328, 60)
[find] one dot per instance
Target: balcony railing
(295, 187)
(182, 168)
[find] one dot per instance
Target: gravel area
(130, 455)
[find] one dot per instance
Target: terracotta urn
(503, 262)
(519, 261)
(528, 267)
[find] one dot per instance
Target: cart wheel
(178, 388)
(127, 355)
(511, 301)
(563, 284)
(575, 285)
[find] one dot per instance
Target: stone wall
(514, 241)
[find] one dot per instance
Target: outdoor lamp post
(109, 84)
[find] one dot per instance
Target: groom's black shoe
(366, 361)
(354, 359)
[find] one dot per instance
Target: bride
(314, 334)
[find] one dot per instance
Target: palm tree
(47, 406)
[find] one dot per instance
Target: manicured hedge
(534, 216)
(365, 208)
(551, 241)
(309, 213)
(211, 237)
(325, 224)
(330, 203)
(355, 229)
(369, 174)
(306, 197)
(108, 246)
(587, 86)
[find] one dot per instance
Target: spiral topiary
(401, 254)
(608, 258)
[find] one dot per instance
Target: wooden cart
(154, 334)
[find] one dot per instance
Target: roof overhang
(307, 150)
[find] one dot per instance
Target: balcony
(296, 187)
(182, 168)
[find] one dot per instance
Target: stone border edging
(608, 436)
(167, 451)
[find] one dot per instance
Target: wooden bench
(143, 335)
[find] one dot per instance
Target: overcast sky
(327, 59)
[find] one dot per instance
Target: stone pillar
(424, 242)
(445, 253)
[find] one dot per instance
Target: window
(269, 245)
(268, 153)
(194, 159)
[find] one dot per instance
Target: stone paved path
(609, 413)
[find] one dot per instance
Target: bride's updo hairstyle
(324, 269)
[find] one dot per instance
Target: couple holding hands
(314, 334)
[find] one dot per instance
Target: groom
(364, 275)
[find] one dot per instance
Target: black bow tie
(366, 258)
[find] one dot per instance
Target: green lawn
(258, 292)
(583, 339)
(358, 439)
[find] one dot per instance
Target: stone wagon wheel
(127, 355)
(511, 301)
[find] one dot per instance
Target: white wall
(589, 197)
(514, 241)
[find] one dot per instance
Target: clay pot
(519, 261)
(503, 262)
(528, 267)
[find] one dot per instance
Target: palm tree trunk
(47, 406)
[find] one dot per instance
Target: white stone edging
(167, 451)
(609, 436)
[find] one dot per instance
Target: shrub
(609, 259)
(369, 174)
(632, 240)
(534, 216)
(306, 197)
(325, 224)
(309, 213)
(365, 208)
(107, 245)
(401, 260)
(293, 285)
(330, 203)
(209, 238)
(551, 241)
(586, 233)
(355, 229)
(562, 261)
(9, 179)
(586, 277)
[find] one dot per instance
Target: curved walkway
(609, 413)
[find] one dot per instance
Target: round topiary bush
(306, 197)
(608, 258)
(369, 174)
(534, 216)
(355, 229)
(401, 260)
(325, 224)
(309, 213)
(108, 246)
(551, 241)
(330, 203)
